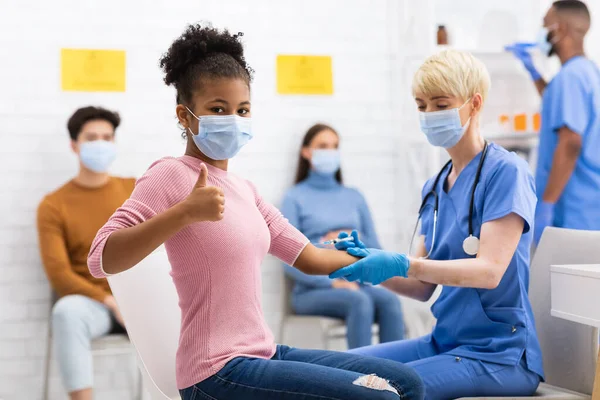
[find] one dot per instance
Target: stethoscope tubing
(433, 193)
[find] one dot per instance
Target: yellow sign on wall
(92, 70)
(299, 74)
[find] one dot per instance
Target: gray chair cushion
(544, 391)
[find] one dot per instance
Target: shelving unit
(523, 143)
(515, 136)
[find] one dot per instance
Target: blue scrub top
(572, 100)
(494, 325)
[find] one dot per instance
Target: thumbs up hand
(204, 203)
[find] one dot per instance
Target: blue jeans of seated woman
(307, 375)
(359, 308)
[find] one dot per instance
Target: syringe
(339, 240)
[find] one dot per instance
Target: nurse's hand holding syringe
(339, 240)
(346, 241)
(482, 272)
(409, 287)
(375, 269)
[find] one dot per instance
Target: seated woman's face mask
(443, 128)
(325, 161)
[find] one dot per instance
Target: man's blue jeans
(309, 375)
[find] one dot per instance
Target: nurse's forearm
(466, 272)
(540, 85)
(498, 242)
(317, 261)
(410, 287)
(563, 164)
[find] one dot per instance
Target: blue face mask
(443, 128)
(544, 42)
(221, 137)
(325, 161)
(97, 155)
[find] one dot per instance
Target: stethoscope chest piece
(471, 245)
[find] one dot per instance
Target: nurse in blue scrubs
(568, 170)
(474, 240)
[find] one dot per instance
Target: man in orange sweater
(68, 220)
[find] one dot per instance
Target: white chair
(109, 345)
(569, 350)
(148, 302)
(328, 329)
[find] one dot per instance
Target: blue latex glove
(544, 216)
(355, 242)
(376, 266)
(521, 51)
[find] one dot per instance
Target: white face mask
(543, 41)
(443, 128)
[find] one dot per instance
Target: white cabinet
(575, 293)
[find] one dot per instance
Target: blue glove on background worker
(544, 216)
(521, 51)
(376, 266)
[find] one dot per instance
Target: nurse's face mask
(443, 128)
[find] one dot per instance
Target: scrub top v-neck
(494, 325)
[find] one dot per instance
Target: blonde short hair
(452, 72)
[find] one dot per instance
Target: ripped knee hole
(374, 382)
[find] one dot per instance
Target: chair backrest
(569, 349)
(148, 302)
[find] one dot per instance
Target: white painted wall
(374, 44)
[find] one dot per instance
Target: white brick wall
(375, 46)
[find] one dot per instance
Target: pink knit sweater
(215, 265)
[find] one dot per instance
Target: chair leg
(326, 339)
(46, 388)
(140, 385)
(596, 390)
(281, 331)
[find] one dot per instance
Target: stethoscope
(471, 242)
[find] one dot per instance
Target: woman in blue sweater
(321, 207)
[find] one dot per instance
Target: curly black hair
(90, 113)
(203, 53)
